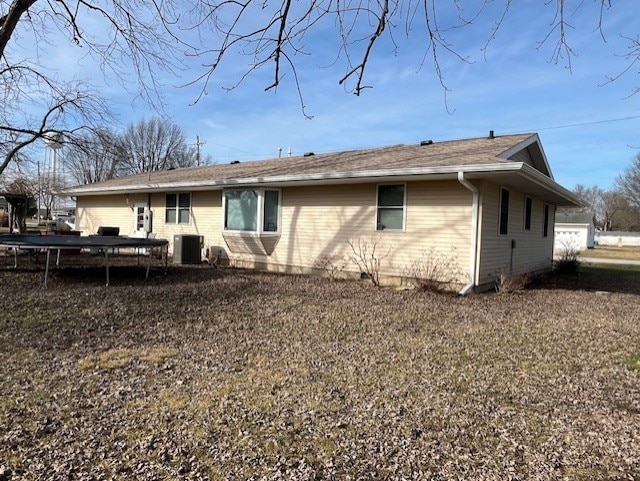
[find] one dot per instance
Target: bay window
(252, 210)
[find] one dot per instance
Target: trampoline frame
(103, 244)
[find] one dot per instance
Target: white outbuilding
(574, 231)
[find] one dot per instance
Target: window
(504, 211)
(390, 207)
(528, 202)
(177, 208)
(251, 210)
(271, 204)
(545, 225)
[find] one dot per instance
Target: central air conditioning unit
(187, 249)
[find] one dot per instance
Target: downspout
(473, 257)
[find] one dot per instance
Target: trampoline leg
(149, 261)
(106, 261)
(46, 268)
(165, 257)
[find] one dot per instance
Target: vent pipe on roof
(491, 135)
(308, 154)
(279, 152)
(426, 142)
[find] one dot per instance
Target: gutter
(473, 256)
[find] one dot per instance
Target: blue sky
(589, 127)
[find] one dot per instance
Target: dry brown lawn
(609, 252)
(223, 374)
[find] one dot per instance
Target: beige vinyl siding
(532, 252)
(319, 221)
(205, 218)
(316, 221)
(523, 156)
(113, 210)
(106, 210)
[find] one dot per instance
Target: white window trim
(260, 218)
(177, 208)
(404, 208)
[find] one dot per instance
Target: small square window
(177, 208)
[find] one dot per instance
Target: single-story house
(574, 230)
(485, 205)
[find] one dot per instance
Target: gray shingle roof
(574, 217)
(476, 151)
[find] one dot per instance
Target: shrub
(434, 271)
(508, 283)
(567, 261)
(367, 255)
(331, 264)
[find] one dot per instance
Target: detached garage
(574, 231)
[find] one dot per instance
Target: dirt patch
(223, 374)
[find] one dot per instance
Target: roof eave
(547, 182)
(417, 173)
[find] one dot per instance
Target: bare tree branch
(358, 70)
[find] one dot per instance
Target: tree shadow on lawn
(596, 278)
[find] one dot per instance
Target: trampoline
(101, 244)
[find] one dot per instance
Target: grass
(609, 252)
(632, 361)
(118, 358)
(223, 374)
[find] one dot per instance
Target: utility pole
(198, 144)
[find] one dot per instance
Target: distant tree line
(96, 155)
(617, 208)
(148, 145)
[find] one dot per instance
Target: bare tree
(95, 157)
(629, 182)
(611, 208)
(615, 208)
(154, 144)
(126, 36)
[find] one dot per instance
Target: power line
(594, 122)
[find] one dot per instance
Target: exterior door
(142, 220)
